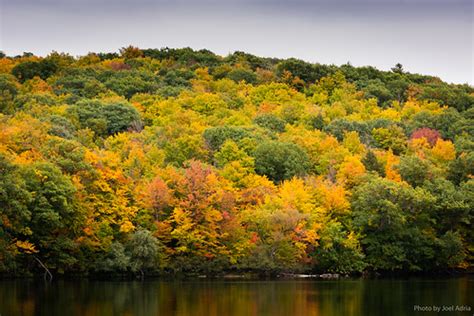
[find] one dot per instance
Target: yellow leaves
(202, 82)
(320, 98)
(274, 93)
(352, 142)
(419, 146)
(390, 114)
(22, 133)
(28, 157)
(37, 85)
(331, 198)
(443, 151)
(26, 247)
(114, 64)
(315, 143)
(212, 215)
(296, 195)
(204, 103)
(350, 170)
(40, 175)
(311, 235)
(334, 111)
(126, 227)
(89, 59)
(412, 107)
(91, 157)
(182, 219)
(363, 110)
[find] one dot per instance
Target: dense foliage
(178, 160)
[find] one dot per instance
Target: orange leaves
(26, 247)
(159, 194)
(331, 198)
(350, 171)
(390, 167)
(195, 207)
(6, 65)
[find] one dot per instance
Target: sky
(433, 37)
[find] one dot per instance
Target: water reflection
(209, 298)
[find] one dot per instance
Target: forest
(181, 161)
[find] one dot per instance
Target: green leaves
(105, 119)
(242, 162)
(280, 161)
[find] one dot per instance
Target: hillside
(183, 161)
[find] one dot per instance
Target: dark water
(207, 298)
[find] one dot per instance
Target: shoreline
(244, 276)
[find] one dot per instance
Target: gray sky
(427, 36)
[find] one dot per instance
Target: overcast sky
(427, 36)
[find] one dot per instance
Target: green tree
(271, 122)
(30, 69)
(414, 170)
(53, 217)
(14, 213)
(216, 136)
(238, 75)
(115, 260)
(145, 251)
(371, 163)
(338, 251)
(8, 92)
(280, 161)
(119, 117)
(394, 220)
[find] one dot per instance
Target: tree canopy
(181, 161)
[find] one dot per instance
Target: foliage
(280, 161)
(179, 160)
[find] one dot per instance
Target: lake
(411, 296)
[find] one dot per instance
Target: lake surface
(222, 297)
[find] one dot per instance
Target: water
(221, 297)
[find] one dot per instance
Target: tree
(15, 214)
(431, 135)
(29, 69)
(398, 68)
(130, 52)
(280, 161)
(115, 260)
(144, 251)
(414, 170)
(119, 117)
(216, 136)
(394, 220)
(53, 218)
(462, 168)
(103, 118)
(371, 163)
(390, 138)
(338, 251)
(8, 92)
(271, 122)
(239, 75)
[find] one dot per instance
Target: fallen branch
(47, 272)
